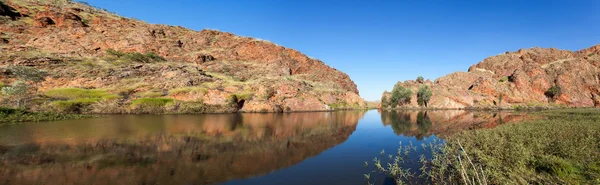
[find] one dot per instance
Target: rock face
(64, 37)
(520, 79)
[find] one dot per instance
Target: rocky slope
(207, 71)
(519, 79)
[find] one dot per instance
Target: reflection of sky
(344, 163)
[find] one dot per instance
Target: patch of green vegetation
(150, 105)
(76, 93)
(149, 94)
(12, 116)
(400, 96)
(73, 106)
(504, 79)
(591, 54)
(117, 56)
(562, 148)
(553, 91)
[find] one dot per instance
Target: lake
(284, 148)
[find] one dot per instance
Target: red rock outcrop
(522, 79)
(74, 31)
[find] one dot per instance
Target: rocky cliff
(82, 47)
(536, 77)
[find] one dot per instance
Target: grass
(562, 148)
(76, 93)
(150, 105)
(12, 116)
(73, 106)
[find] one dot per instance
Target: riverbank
(562, 148)
(13, 116)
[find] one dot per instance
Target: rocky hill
(536, 77)
(95, 61)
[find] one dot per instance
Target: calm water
(289, 148)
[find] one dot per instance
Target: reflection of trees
(403, 123)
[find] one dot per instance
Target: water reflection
(422, 124)
(177, 149)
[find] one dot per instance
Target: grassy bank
(562, 148)
(12, 116)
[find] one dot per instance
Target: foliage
(400, 96)
(150, 94)
(11, 116)
(500, 99)
(17, 88)
(553, 91)
(424, 95)
(562, 148)
(384, 102)
(134, 56)
(420, 79)
(150, 105)
(76, 93)
(78, 106)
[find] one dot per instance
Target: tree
(424, 95)
(384, 102)
(420, 79)
(400, 96)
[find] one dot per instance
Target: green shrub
(134, 56)
(400, 96)
(76, 93)
(10, 116)
(424, 95)
(504, 79)
(149, 94)
(420, 79)
(150, 105)
(73, 106)
(553, 92)
(191, 108)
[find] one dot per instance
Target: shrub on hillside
(76, 93)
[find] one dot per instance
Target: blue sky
(381, 42)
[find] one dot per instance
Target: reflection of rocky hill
(185, 151)
(426, 123)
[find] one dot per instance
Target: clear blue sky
(380, 42)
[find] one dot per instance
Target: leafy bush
(424, 95)
(553, 92)
(135, 56)
(73, 106)
(420, 79)
(150, 105)
(76, 93)
(400, 96)
(504, 79)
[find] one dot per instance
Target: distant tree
(424, 95)
(384, 102)
(400, 96)
(420, 79)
